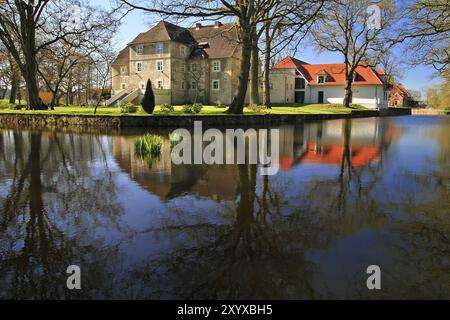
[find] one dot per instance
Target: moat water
(349, 194)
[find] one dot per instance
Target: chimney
(198, 26)
(217, 24)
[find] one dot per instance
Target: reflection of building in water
(168, 181)
(324, 142)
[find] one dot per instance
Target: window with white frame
(183, 67)
(193, 85)
(140, 49)
(194, 67)
(160, 65)
(321, 79)
(139, 67)
(142, 85)
(216, 84)
(216, 66)
(183, 51)
(160, 84)
(160, 48)
(124, 86)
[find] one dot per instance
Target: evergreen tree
(148, 102)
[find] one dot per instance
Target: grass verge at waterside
(178, 111)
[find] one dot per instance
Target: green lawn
(207, 110)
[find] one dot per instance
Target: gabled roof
(365, 74)
(123, 58)
(399, 88)
(289, 63)
(223, 39)
(164, 31)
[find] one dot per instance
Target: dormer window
(140, 49)
(160, 48)
(320, 79)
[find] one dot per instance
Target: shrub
(4, 104)
(257, 108)
(128, 108)
(148, 102)
(193, 108)
(167, 108)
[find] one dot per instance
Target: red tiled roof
(398, 87)
(289, 63)
(365, 74)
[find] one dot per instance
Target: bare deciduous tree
(29, 26)
(355, 29)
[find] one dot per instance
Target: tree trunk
(348, 89)
(255, 71)
(237, 106)
(348, 94)
(30, 75)
(54, 97)
(14, 88)
(30, 67)
(267, 54)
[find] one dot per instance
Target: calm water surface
(350, 193)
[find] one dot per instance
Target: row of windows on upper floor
(159, 49)
(195, 67)
(215, 85)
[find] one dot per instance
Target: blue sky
(417, 78)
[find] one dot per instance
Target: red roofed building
(295, 81)
(400, 97)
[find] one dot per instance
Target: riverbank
(430, 112)
(52, 120)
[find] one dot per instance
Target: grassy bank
(207, 110)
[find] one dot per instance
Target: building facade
(400, 97)
(185, 65)
(295, 81)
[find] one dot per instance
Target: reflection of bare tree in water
(424, 252)
(43, 224)
(352, 190)
(260, 255)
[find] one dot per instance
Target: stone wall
(41, 121)
(392, 112)
(430, 112)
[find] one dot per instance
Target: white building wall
(283, 81)
(331, 94)
(369, 96)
